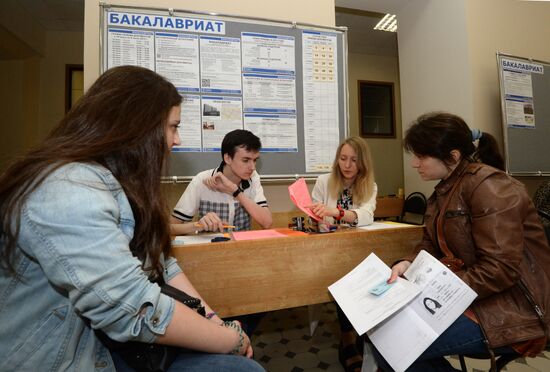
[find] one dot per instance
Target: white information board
(524, 94)
(286, 83)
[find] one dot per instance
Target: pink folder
(257, 234)
(299, 194)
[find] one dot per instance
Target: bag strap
(184, 298)
(439, 222)
(181, 296)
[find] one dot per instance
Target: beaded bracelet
(210, 315)
(236, 327)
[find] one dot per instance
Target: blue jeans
(462, 337)
(190, 361)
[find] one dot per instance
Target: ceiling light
(388, 23)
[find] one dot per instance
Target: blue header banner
(168, 23)
(520, 66)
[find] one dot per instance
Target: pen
(197, 224)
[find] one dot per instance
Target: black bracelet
(238, 328)
(237, 192)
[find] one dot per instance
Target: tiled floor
(282, 343)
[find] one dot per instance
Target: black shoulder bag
(144, 357)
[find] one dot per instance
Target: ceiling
(68, 15)
(56, 15)
(362, 38)
(381, 6)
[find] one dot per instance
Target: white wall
(522, 28)
(447, 60)
(434, 66)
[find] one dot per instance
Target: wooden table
(243, 277)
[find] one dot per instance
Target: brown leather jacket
(492, 225)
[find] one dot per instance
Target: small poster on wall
(518, 92)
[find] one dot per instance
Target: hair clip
(476, 134)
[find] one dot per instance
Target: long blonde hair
(363, 186)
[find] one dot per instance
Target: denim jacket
(77, 274)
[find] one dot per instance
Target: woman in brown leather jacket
(490, 235)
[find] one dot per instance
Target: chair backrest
(414, 209)
(541, 199)
(545, 216)
(388, 207)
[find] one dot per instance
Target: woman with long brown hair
(85, 239)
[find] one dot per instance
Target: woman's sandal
(350, 352)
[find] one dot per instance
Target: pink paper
(256, 234)
(299, 194)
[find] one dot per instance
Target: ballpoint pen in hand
(225, 226)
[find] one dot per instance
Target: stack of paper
(195, 239)
(404, 318)
(299, 194)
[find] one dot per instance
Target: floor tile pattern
(282, 343)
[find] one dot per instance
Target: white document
(267, 53)
(518, 90)
(220, 115)
(320, 96)
(195, 239)
(364, 309)
(127, 47)
(403, 337)
(384, 225)
(278, 132)
(177, 59)
(269, 93)
(220, 63)
(190, 130)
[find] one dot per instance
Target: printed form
(269, 90)
(320, 91)
(402, 325)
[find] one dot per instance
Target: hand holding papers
(299, 194)
(401, 333)
(364, 309)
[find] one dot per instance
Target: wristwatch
(341, 213)
(237, 192)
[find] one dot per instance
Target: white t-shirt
(198, 198)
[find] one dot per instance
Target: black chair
(541, 200)
(545, 216)
(414, 209)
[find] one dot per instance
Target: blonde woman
(347, 195)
